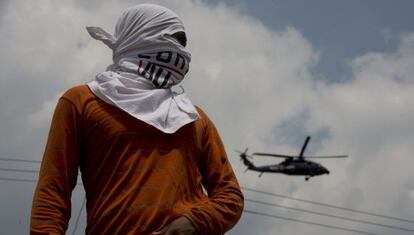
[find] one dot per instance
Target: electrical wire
(19, 160)
(78, 217)
(18, 170)
(24, 180)
(244, 188)
(21, 170)
(330, 215)
(18, 180)
(251, 200)
(328, 205)
(269, 204)
(309, 222)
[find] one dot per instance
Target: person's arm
(225, 201)
(51, 207)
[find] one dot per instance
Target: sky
(268, 73)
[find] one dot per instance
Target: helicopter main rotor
(300, 156)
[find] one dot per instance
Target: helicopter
(292, 165)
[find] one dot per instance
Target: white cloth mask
(147, 62)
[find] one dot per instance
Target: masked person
(144, 151)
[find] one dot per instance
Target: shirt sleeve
(225, 201)
(51, 207)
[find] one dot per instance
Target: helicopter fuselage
(294, 167)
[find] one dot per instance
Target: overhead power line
(247, 211)
(309, 222)
(330, 215)
(19, 160)
(18, 180)
(328, 205)
(24, 180)
(78, 217)
(251, 200)
(18, 170)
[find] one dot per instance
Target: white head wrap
(147, 62)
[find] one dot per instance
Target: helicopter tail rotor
(244, 154)
(245, 159)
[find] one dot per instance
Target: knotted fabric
(147, 63)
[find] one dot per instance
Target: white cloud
(369, 117)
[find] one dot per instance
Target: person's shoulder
(78, 94)
(204, 120)
(205, 124)
(200, 111)
(76, 91)
(203, 115)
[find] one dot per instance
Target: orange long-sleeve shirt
(137, 179)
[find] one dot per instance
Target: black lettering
(146, 70)
(151, 75)
(177, 60)
(164, 59)
(157, 76)
(166, 78)
(144, 56)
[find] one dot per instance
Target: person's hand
(179, 226)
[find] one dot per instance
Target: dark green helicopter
(292, 165)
